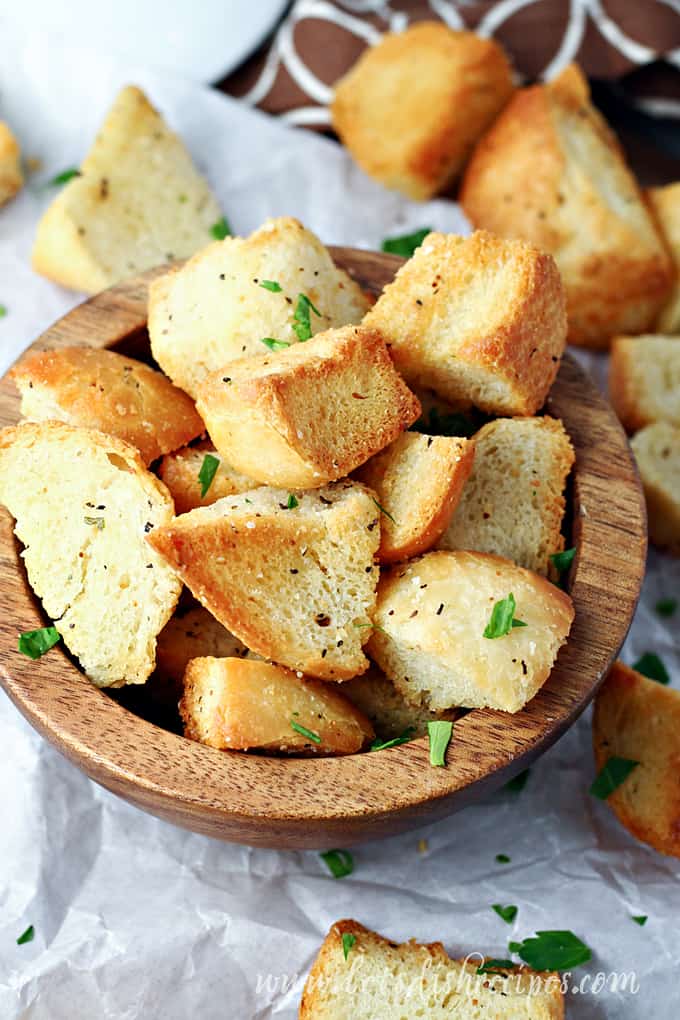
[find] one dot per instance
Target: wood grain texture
(306, 803)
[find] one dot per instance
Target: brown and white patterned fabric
(319, 40)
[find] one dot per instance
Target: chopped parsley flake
(34, 643)
(553, 950)
(64, 177)
(650, 665)
(301, 321)
(508, 914)
(303, 731)
(439, 733)
(380, 745)
(271, 285)
(292, 501)
(614, 772)
(340, 863)
(664, 607)
(502, 618)
(405, 244)
(384, 511)
(221, 229)
(26, 936)
(563, 560)
(3, 311)
(274, 345)
(518, 782)
(502, 859)
(495, 967)
(348, 941)
(96, 522)
(207, 473)
(640, 919)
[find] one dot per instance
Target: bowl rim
(310, 802)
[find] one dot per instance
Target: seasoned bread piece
(429, 631)
(513, 502)
(657, 452)
(639, 719)
(644, 380)
(192, 635)
(180, 471)
(215, 309)
(380, 980)
(139, 201)
(309, 414)
(239, 704)
(418, 481)
(83, 503)
(665, 205)
(295, 585)
(103, 390)
(412, 106)
(389, 712)
(551, 172)
(11, 177)
(476, 319)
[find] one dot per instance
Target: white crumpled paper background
(136, 919)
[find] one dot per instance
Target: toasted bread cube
(418, 481)
(83, 503)
(639, 719)
(513, 502)
(180, 471)
(665, 206)
(241, 704)
(657, 452)
(139, 201)
(11, 177)
(103, 390)
(644, 380)
(476, 319)
(362, 976)
(193, 635)
(412, 106)
(297, 585)
(429, 631)
(388, 711)
(551, 172)
(215, 309)
(309, 414)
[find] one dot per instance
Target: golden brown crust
(103, 390)
(665, 206)
(639, 719)
(180, 471)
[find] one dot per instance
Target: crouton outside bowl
(327, 802)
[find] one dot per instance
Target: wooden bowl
(330, 802)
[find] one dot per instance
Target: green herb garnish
(553, 950)
(340, 863)
(96, 522)
(439, 733)
(650, 665)
(3, 311)
(502, 618)
(221, 229)
(508, 914)
(348, 941)
(640, 919)
(271, 285)
(405, 244)
(518, 782)
(493, 967)
(26, 936)
(514, 947)
(614, 772)
(207, 473)
(35, 643)
(666, 607)
(64, 177)
(301, 322)
(502, 858)
(292, 501)
(406, 736)
(563, 560)
(274, 345)
(309, 734)
(384, 511)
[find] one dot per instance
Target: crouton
(193, 635)
(665, 206)
(362, 976)
(657, 452)
(418, 481)
(11, 176)
(104, 390)
(390, 714)
(83, 503)
(239, 705)
(412, 106)
(238, 292)
(644, 380)
(309, 414)
(137, 202)
(513, 502)
(430, 623)
(180, 471)
(639, 719)
(476, 319)
(551, 172)
(292, 575)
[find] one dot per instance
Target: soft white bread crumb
(295, 585)
(11, 177)
(665, 206)
(309, 414)
(180, 471)
(192, 635)
(380, 980)
(238, 704)
(644, 380)
(83, 504)
(389, 712)
(103, 390)
(139, 202)
(215, 309)
(476, 319)
(429, 634)
(418, 481)
(657, 453)
(513, 501)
